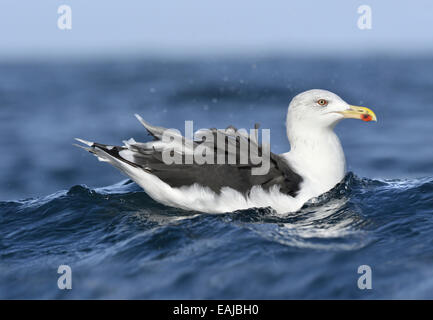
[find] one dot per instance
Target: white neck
(316, 154)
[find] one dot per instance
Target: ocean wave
(349, 206)
(121, 224)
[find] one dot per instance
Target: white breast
(318, 157)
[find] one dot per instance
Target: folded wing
(235, 172)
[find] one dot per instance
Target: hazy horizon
(196, 28)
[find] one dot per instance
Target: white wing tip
(88, 143)
(128, 142)
(138, 117)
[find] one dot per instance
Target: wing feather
(237, 175)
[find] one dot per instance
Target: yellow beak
(362, 113)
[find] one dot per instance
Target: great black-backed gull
(313, 166)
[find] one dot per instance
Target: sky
(29, 28)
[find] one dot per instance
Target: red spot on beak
(366, 117)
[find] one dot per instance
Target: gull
(314, 165)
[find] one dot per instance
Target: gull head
(323, 109)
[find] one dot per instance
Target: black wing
(238, 176)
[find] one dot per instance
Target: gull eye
(322, 102)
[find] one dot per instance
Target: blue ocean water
(58, 205)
